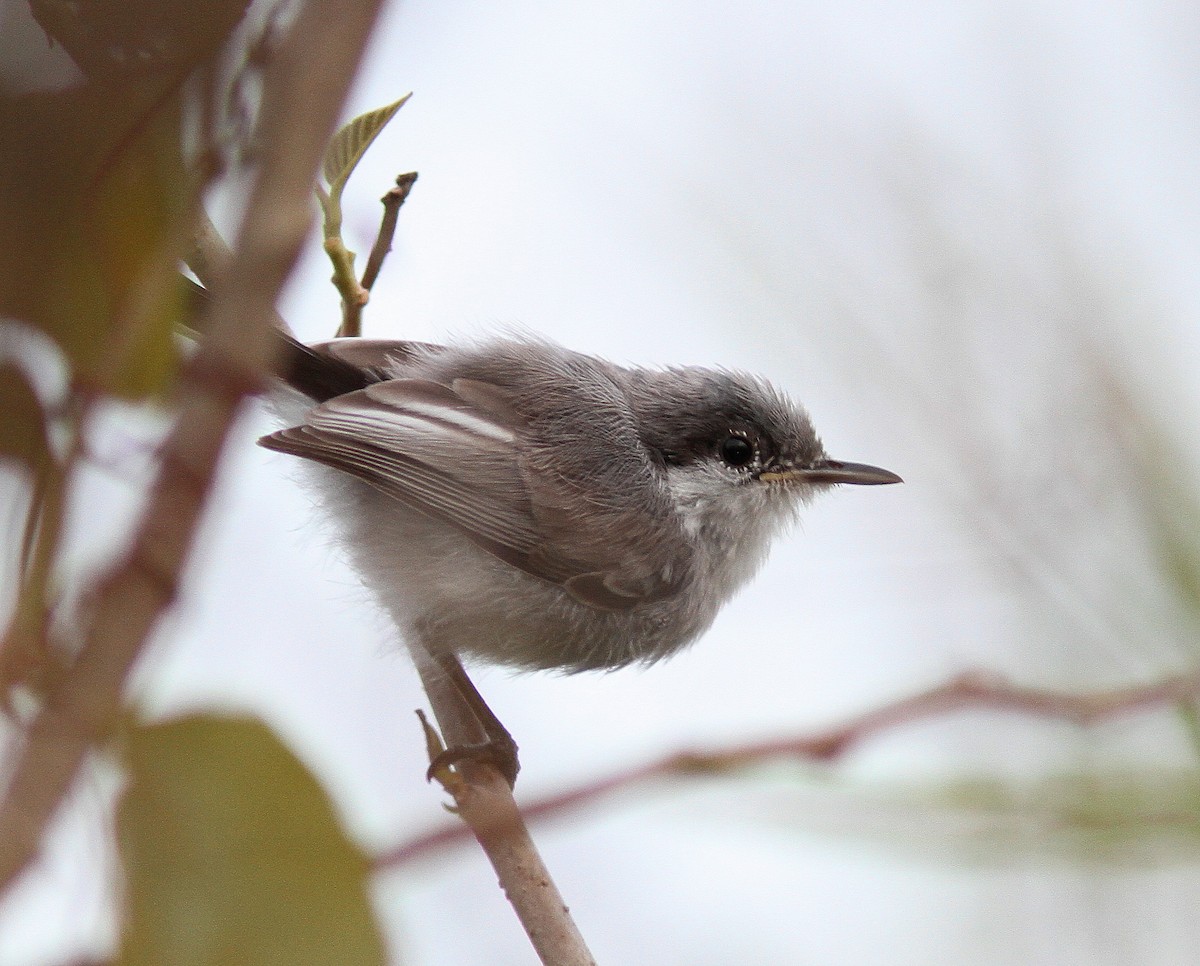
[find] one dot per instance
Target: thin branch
(303, 91)
(355, 294)
(484, 801)
(209, 259)
(392, 201)
(963, 693)
(25, 653)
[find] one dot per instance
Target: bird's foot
(499, 751)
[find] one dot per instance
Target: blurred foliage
(234, 854)
(25, 440)
(1132, 817)
(231, 850)
(147, 37)
(95, 194)
(1171, 507)
(23, 434)
(97, 200)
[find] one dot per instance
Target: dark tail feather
(318, 375)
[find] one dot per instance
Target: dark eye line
(738, 448)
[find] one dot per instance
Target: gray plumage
(535, 507)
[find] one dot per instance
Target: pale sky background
(912, 217)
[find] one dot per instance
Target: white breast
(731, 520)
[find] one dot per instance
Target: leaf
(110, 37)
(350, 143)
(96, 198)
(233, 854)
(22, 422)
(91, 195)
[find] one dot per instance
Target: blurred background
(966, 237)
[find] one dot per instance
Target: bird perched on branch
(514, 501)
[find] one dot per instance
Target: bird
(512, 501)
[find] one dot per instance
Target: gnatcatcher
(517, 502)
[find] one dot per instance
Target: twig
(484, 802)
(387, 227)
(356, 294)
(303, 91)
(25, 654)
(966, 692)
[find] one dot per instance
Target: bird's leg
(491, 744)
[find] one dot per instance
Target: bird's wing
(455, 451)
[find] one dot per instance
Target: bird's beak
(833, 471)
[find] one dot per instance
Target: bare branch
(484, 801)
(392, 202)
(303, 91)
(355, 295)
(963, 693)
(25, 654)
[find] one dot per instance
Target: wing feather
(458, 452)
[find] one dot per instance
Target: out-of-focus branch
(25, 652)
(303, 91)
(210, 255)
(967, 692)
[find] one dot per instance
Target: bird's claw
(500, 752)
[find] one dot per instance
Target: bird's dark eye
(735, 451)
